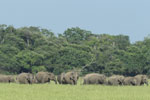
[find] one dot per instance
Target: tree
(69, 58)
(26, 60)
(76, 35)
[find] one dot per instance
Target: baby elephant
(44, 77)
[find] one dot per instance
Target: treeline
(34, 49)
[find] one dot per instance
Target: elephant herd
(72, 78)
(95, 78)
(41, 77)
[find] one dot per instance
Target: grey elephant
(130, 81)
(141, 79)
(115, 80)
(6, 79)
(94, 78)
(44, 77)
(25, 78)
(69, 78)
(60, 78)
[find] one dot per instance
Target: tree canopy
(33, 49)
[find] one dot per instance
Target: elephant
(141, 79)
(44, 77)
(130, 81)
(34, 80)
(69, 78)
(6, 79)
(25, 78)
(116, 80)
(94, 78)
(60, 78)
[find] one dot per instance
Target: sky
(127, 17)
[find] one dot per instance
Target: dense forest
(33, 49)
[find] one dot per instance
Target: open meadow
(68, 92)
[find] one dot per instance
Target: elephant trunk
(75, 82)
(55, 82)
(146, 83)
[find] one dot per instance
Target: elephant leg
(55, 81)
(43, 81)
(26, 81)
(75, 82)
(84, 82)
(72, 83)
(98, 82)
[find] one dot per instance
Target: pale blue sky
(129, 17)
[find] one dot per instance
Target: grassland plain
(67, 92)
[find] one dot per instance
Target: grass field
(67, 92)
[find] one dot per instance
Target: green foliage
(27, 59)
(36, 69)
(70, 58)
(33, 49)
(76, 35)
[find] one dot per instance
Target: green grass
(67, 92)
